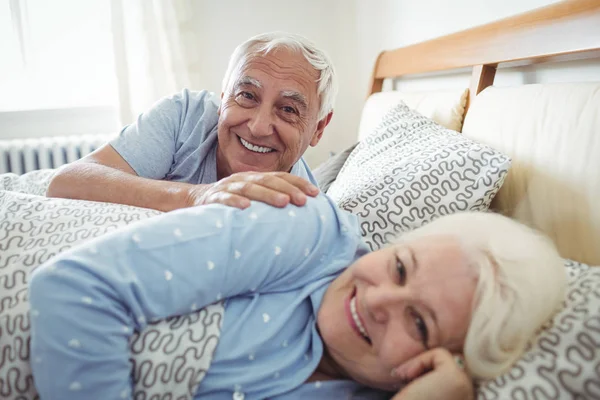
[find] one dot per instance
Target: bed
(530, 152)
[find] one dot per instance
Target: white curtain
(157, 51)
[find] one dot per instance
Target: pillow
(563, 362)
(445, 107)
(35, 228)
(326, 173)
(33, 182)
(551, 131)
(411, 170)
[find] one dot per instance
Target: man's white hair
(521, 284)
(267, 42)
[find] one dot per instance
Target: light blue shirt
(271, 265)
(176, 140)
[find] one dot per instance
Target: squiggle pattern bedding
(564, 360)
(169, 358)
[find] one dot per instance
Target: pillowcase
(326, 173)
(33, 182)
(411, 170)
(563, 361)
(35, 228)
(445, 107)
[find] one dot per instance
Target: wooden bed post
(482, 77)
(376, 83)
(566, 30)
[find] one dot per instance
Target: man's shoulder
(193, 101)
(202, 96)
(198, 113)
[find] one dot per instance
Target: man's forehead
(279, 65)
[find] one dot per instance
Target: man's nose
(261, 123)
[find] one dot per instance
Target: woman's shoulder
(320, 210)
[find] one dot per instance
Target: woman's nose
(261, 123)
(382, 300)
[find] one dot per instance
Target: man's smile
(255, 148)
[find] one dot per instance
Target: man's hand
(434, 375)
(274, 188)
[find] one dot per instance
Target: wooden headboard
(563, 31)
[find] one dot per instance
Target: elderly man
(192, 149)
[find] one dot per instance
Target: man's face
(268, 117)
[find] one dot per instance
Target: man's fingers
(283, 184)
(301, 183)
(274, 188)
(260, 193)
(228, 199)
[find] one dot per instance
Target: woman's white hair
(521, 284)
(267, 42)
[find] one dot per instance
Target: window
(56, 55)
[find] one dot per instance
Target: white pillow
(411, 170)
(445, 107)
(551, 131)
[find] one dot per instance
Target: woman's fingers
(423, 363)
(434, 375)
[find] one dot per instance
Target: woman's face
(395, 303)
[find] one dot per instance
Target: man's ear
(221, 102)
(321, 125)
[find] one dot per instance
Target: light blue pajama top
(271, 265)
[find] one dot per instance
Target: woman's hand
(434, 375)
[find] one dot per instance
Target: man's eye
(289, 110)
(401, 272)
(246, 95)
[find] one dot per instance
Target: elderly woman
(309, 311)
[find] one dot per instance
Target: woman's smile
(354, 317)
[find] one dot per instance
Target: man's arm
(105, 176)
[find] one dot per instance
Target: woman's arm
(85, 303)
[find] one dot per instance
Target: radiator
(23, 155)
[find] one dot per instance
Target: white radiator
(23, 155)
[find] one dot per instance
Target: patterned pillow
(328, 171)
(563, 362)
(34, 182)
(411, 170)
(35, 228)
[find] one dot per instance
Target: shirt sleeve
(86, 302)
(149, 145)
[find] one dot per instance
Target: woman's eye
(401, 272)
(421, 328)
